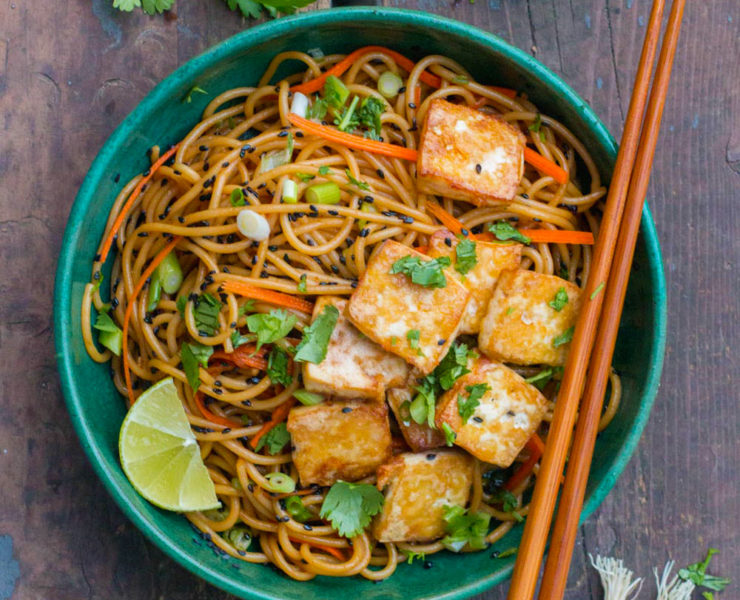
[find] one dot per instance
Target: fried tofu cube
(521, 326)
(414, 322)
(419, 437)
(339, 439)
(507, 415)
(355, 366)
(481, 280)
(469, 155)
(417, 489)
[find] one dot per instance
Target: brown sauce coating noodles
(190, 197)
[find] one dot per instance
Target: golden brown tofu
(507, 415)
(412, 321)
(355, 366)
(521, 326)
(417, 488)
(469, 155)
(481, 279)
(418, 437)
(334, 440)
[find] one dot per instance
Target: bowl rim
(242, 42)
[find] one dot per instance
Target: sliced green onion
(389, 83)
(290, 191)
(280, 483)
(155, 293)
(362, 223)
(323, 193)
(252, 225)
(308, 398)
(347, 118)
(239, 537)
(169, 274)
(295, 508)
(299, 106)
(111, 340)
(335, 91)
(278, 158)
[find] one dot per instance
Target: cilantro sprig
(559, 300)
(697, 574)
(316, 336)
(427, 273)
(350, 507)
(272, 326)
(466, 406)
(250, 9)
(275, 439)
(465, 256)
(504, 231)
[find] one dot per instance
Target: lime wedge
(160, 454)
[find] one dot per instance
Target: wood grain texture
(70, 71)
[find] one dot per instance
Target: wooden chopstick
(532, 546)
(571, 500)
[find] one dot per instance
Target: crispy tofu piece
(355, 366)
(339, 439)
(418, 437)
(417, 488)
(386, 307)
(469, 155)
(506, 417)
(481, 279)
(520, 326)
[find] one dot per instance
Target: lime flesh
(160, 454)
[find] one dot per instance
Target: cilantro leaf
(317, 335)
(277, 367)
(466, 407)
(126, 5)
(348, 119)
(463, 528)
(360, 184)
(453, 366)
(504, 231)
(205, 313)
(508, 502)
(272, 326)
(304, 177)
(559, 300)
(181, 303)
(536, 126)
(697, 574)
(369, 115)
(237, 339)
(541, 379)
(248, 8)
(302, 283)
(248, 306)
(295, 508)
(465, 256)
(427, 273)
(412, 335)
(193, 356)
(156, 6)
(275, 439)
(350, 507)
(237, 197)
(193, 90)
(323, 170)
(411, 556)
(563, 338)
(450, 435)
(318, 111)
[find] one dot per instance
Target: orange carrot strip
(536, 447)
(214, 418)
(335, 552)
(314, 85)
(278, 416)
(417, 95)
(352, 141)
(278, 298)
(244, 356)
(509, 93)
(450, 222)
(559, 236)
(545, 166)
(130, 306)
(422, 249)
(130, 202)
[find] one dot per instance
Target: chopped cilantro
(277, 367)
(275, 439)
(181, 303)
(509, 310)
(450, 435)
(272, 326)
(412, 335)
(536, 126)
(563, 338)
(302, 284)
(559, 300)
(350, 507)
(541, 379)
(427, 273)
(205, 313)
(460, 80)
(465, 256)
(466, 406)
(697, 574)
(505, 231)
(348, 119)
(304, 177)
(318, 109)
(323, 170)
(597, 290)
(237, 339)
(248, 306)
(508, 502)
(360, 184)
(193, 90)
(194, 356)
(411, 556)
(506, 553)
(317, 335)
(369, 115)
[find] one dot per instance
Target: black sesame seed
(283, 134)
(354, 284)
(448, 242)
(226, 430)
(368, 199)
(347, 409)
(412, 105)
(477, 419)
(117, 178)
(308, 528)
(364, 232)
(428, 564)
(525, 196)
(380, 173)
(334, 269)
(431, 456)
(441, 342)
(299, 134)
(206, 166)
(511, 413)
(203, 148)
(465, 232)
(147, 173)
(181, 219)
(247, 402)
(209, 182)
(333, 213)
(254, 380)
(478, 169)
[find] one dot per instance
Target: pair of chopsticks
(597, 326)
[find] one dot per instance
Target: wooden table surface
(70, 71)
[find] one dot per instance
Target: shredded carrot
(335, 552)
(559, 236)
(450, 222)
(417, 95)
(278, 416)
(244, 356)
(536, 448)
(422, 249)
(545, 166)
(214, 418)
(352, 141)
(108, 242)
(130, 306)
(277, 298)
(509, 93)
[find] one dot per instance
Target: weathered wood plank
(69, 72)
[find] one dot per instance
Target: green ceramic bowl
(161, 118)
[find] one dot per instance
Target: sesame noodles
(189, 205)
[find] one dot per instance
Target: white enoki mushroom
(616, 579)
(675, 589)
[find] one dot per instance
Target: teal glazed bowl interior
(162, 118)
